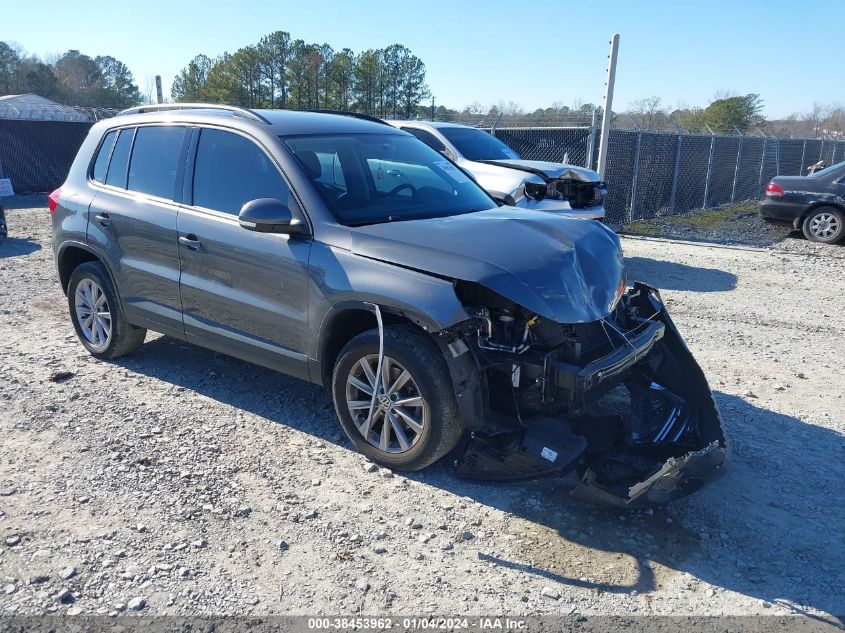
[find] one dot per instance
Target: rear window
(116, 174)
(101, 165)
(155, 158)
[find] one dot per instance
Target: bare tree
(649, 113)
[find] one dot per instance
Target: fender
(95, 251)
(341, 281)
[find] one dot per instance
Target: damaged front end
(580, 188)
(620, 400)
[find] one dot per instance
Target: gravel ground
(180, 481)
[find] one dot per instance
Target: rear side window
(102, 162)
(120, 159)
(155, 159)
(230, 170)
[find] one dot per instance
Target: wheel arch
(71, 255)
(346, 320)
(799, 221)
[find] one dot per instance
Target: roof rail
(357, 115)
(162, 107)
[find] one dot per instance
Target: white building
(31, 107)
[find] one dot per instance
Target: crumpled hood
(565, 269)
(547, 170)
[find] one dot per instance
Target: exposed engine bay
(619, 401)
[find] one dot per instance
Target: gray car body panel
(507, 177)
(568, 270)
(304, 281)
(565, 269)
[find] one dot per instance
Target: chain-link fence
(649, 174)
(36, 155)
(38, 142)
(652, 174)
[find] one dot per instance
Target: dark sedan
(814, 203)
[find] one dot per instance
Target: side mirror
(269, 215)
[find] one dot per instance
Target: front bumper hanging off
(665, 443)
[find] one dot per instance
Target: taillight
(774, 190)
(53, 199)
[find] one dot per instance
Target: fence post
(762, 163)
(803, 154)
(495, 123)
(592, 141)
(777, 157)
(675, 175)
(709, 170)
(634, 179)
(736, 168)
(821, 152)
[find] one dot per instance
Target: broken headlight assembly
(620, 401)
(579, 194)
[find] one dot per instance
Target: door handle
(190, 241)
(103, 219)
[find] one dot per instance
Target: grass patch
(698, 219)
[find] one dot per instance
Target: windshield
(477, 144)
(371, 178)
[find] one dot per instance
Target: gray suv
(441, 322)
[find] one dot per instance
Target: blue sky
(534, 53)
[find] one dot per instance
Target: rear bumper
(780, 210)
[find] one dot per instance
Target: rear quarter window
(116, 173)
(427, 137)
(155, 160)
(101, 165)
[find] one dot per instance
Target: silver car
(529, 184)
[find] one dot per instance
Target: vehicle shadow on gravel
(755, 531)
(763, 530)
(665, 275)
(17, 246)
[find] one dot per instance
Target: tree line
(281, 72)
(727, 114)
(72, 78)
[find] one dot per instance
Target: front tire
(97, 315)
(825, 225)
(415, 420)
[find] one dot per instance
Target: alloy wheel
(93, 314)
(824, 226)
(400, 414)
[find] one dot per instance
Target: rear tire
(97, 315)
(825, 225)
(419, 433)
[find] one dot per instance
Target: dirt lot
(181, 481)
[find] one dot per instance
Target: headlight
(536, 191)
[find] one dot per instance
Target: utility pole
(159, 94)
(608, 103)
